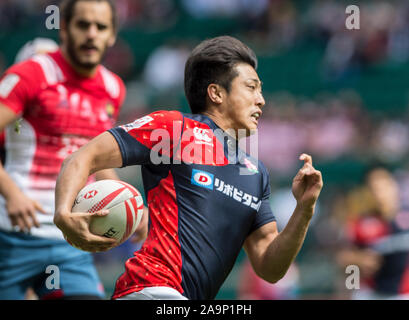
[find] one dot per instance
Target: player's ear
(215, 93)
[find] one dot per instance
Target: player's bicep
(7, 116)
(100, 153)
(257, 243)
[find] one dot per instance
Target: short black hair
(214, 61)
(67, 10)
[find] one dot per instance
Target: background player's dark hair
(67, 10)
(213, 61)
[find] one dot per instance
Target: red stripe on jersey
(159, 261)
(104, 202)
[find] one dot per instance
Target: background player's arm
(270, 252)
(20, 208)
(100, 153)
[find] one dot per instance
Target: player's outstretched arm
(20, 208)
(100, 153)
(271, 253)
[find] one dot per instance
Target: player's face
(89, 33)
(385, 190)
(245, 99)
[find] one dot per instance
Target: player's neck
(221, 121)
(84, 72)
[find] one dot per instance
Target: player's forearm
(8, 187)
(72, 177)
(284, 248)
(99, 154)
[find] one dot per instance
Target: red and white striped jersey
(60, 111)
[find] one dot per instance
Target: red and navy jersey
(61, 111)
(203, 203)
(389, 239)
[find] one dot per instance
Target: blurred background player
(376, 228)
(64, 98)
(30, 49)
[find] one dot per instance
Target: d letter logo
(202, 179)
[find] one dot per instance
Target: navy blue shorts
(52, 268)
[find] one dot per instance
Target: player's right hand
(22, 211)
(307, 185)
(75, 228)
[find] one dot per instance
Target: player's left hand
(307, 185)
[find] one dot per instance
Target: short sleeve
(152, 139)
(19, 85)
(264, 214)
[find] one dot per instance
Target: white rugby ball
(124, 202)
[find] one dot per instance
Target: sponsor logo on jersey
(237, 194)
(207, 180)
(137, 123)
(202, 137)
(202, 179)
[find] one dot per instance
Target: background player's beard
(74, 57)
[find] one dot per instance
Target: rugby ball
(124, 202)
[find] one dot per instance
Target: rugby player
(65, 98)
(207, 199)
